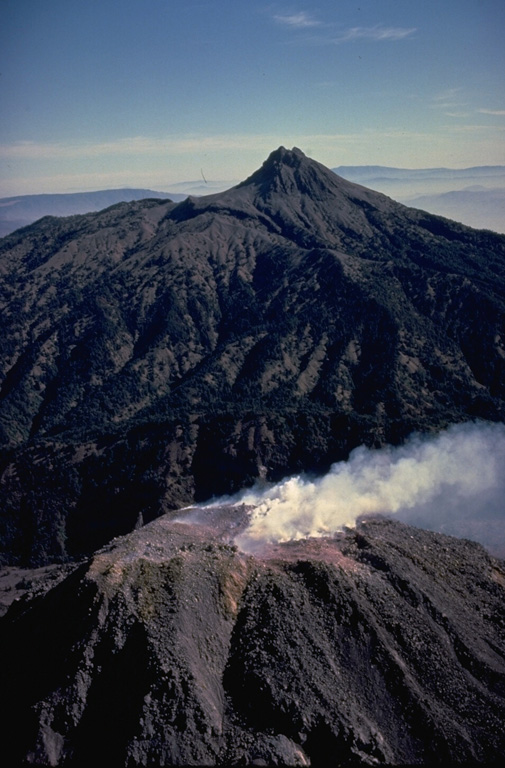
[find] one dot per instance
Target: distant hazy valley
(472, 196)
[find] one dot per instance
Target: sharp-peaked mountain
(156, 353)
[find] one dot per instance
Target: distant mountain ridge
(474, 196)
(355, 172)
(481, 208)
(20, 211)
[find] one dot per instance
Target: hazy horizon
(211, 185)
(472, 196)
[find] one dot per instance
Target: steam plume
(452, 476)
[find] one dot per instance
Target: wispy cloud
(300, 20)
(451, 101)
(27, 150)
(473, 129)
(448, 96)
(133, 146)
(331, 33)
(175, 146)
(500, 112)
(378, 33)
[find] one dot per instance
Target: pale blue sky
(111, 93)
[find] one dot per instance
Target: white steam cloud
(439, 482)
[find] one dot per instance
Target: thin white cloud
(177, 146)
(300, 20)
(136, 145)
(451, 101)
(378, 33)
(305, 21)
(483, 129)
(449, 94)
(142, 146)
(500, 112)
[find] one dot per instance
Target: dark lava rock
(382, 645)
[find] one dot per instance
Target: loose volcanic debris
(382, 645)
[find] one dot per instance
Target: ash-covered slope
(155, 353)
(384, 644)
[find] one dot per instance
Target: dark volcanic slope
(384, 645)
(156, 353)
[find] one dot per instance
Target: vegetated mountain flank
(156, 353)
(382, 645)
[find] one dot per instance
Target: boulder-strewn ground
(383, 645)
(155, 353)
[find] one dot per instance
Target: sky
(98, 94)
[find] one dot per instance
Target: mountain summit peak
(291, 172)
(306, 199)
(283, 155)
